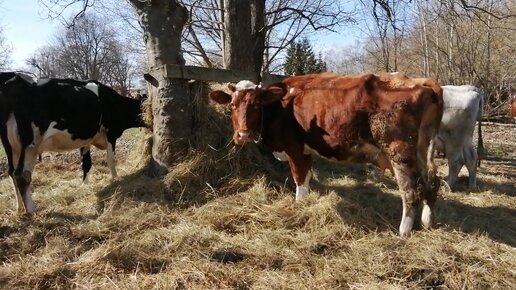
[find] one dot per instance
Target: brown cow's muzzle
(243, 137)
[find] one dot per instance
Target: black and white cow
(463, 107)
(58, 115)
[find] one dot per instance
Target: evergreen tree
(302, 60)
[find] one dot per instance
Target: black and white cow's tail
(480, 142)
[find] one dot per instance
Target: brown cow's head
(247, 102)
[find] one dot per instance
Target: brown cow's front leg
(300, 165)
(429, 201)
(410, 195)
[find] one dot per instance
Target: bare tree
(87, 50)
(452, 41)
(350, 59)
(161, 23)
(5, 51)
(285, 20)
(458, 44)
(386, 31)
(46, 61)
(244, 35)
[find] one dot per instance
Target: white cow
(462, 109)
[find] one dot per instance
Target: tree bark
(244, 35)
(162, 23)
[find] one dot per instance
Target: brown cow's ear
(231, 87)
(272, 94)
(220, 97)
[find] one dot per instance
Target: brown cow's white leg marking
(111, 160)
(300, 169)
(426, 215)
(407, 187)
(303, 189)
(281, 156)
(407, 218)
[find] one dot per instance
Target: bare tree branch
(467, 6)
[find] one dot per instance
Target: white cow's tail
(480, 142)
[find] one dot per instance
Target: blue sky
(26, 27)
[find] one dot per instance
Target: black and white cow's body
(58, 115)
(463, 107)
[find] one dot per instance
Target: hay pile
(215, 222)
(214, 166)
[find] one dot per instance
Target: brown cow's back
(342, 108)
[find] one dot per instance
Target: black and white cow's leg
(20, 208)
(111, 158)
(300, 165)
(13, 156)
(23, 175)
(85, 163)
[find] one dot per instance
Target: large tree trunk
(162, 23)
(244, 35)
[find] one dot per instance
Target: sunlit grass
(227, 219)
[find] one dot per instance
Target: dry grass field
(226, 218)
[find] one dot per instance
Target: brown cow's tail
(431, 168)
(480, 143)
(426, 144)
(430, 122)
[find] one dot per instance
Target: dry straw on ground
(226, 218)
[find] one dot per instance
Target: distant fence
(214, 74)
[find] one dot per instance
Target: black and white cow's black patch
(59, 115)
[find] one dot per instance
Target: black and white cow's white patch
(59, 115)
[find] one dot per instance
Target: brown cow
(513, 108)
(362, 118)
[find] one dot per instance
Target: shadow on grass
(364, 204)
(185, 190)
(368, 207)
(136, 186)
